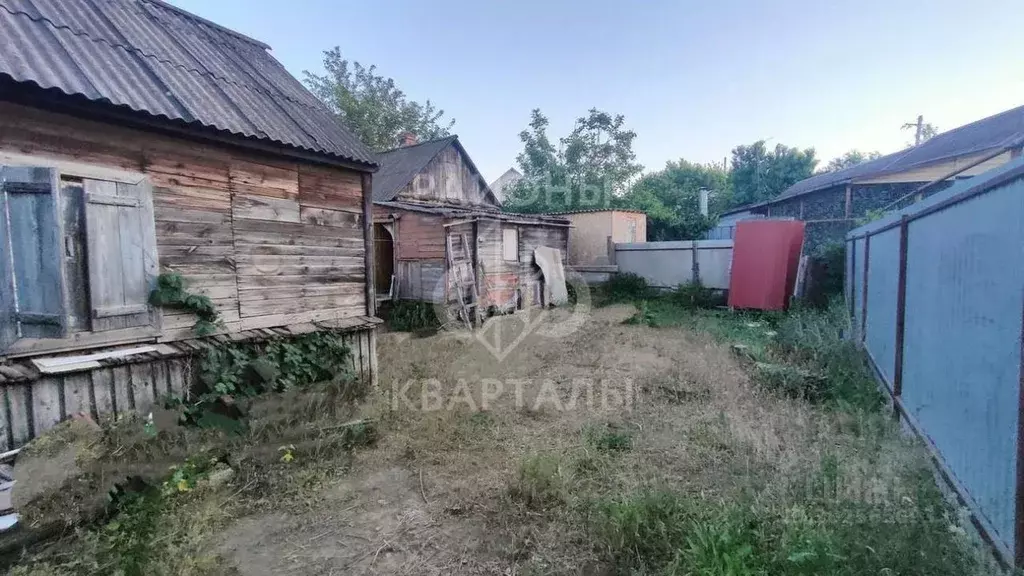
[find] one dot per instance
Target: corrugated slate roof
(154, 58)
(998, 131)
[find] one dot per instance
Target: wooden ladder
(464, 277)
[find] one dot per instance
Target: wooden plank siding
(448, 179)
(28, 408)
(271, 241)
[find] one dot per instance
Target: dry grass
(514, 487)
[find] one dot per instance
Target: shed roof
(399, 166)
(999, 131)
(150, 57)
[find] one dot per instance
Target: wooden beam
(366, 180)
(849, 200)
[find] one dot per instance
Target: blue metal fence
(954, 370)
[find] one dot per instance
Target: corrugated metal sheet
(151, 57)
(883, 274)
(962, 344)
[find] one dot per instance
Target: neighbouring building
(504, 182)
(440, 235)
(593, 230)
(832, 203)
(138, 139)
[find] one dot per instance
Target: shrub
(411, 316)
(694, 295)
(626, 287)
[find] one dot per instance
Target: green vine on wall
(172, 292)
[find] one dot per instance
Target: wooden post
(901, 314)
(801, 208)
(849, 201)
(864, 305)
(611, 251)
(371, 293)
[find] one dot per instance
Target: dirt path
(436, 495)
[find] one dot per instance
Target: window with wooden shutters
(33, 251)
(76, 254)
(122, 260)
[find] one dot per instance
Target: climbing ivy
(172, 292)
(239, 370)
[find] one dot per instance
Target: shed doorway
(384, 261)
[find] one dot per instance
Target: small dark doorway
(384, 260)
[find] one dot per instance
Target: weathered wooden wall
(420, 236)
(30, 407)
(272, 242)
(421, 280)
(448, 179)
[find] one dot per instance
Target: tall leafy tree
(372, 105)
(592, 164)
(850, 158)
(671, 199)
(759, 173)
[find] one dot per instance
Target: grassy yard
(645, 436)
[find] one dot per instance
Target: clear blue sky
(694, 79)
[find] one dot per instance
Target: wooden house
(437, 224)
(138, 139)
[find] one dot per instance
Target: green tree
(591, 165)
(671, 199)
(850, 158)
(759, 173)
(373, 106)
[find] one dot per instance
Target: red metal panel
(764, 262)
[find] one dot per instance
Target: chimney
(407, 139)
(704, 195)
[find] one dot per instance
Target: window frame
(504, 241)
(66, 170)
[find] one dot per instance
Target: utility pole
(918, 127)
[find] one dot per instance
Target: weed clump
(411, 316)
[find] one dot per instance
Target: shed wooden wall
(448, 179)
(29, 408)
(271, 241)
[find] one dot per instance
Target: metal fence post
(864, 301)
(901, 313)
(695, 267)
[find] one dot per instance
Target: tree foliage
(671, 199)
(372, 105)
(850, 158)
(759, 173)
(591, 165)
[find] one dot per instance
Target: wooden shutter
(121, 242)
(33, 271)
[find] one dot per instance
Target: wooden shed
(437, 224)
(136, 139)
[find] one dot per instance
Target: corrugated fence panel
(963, 342)
(883, 283)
